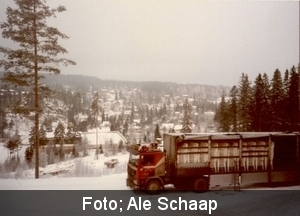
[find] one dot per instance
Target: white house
(104, 137)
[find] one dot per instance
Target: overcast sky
(204, 42)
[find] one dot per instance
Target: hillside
(125, 105)
(82, 83)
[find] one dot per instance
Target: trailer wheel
(200, 185)
(153, 187)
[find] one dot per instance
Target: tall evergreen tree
(276, 102)
(72, 133)
(95, 109)
(286, 86)
(222, 116)
(293, 100)
(14, 143)
(186, 118)
(233, 108)
(42, 137)
(132, 113)
(257, 104)
(59, 133)
(37, 52)
(157, 132)
(3, 121)
(266, 123)
(244, 103)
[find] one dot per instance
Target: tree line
(264, 105)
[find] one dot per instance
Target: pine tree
(223, 115)
(260, 106)
(126, 127)
(59, 133)
(42, 136)
(157, 132)
(232, 109)
(37, 52)
(14, 143)
(48, 124)
(3, 121)
(29, 154)
(11, 124)
(120, 146)
(72, 133)
(100, 149)
(276, 102)
(286, 86)
(266, 122)
(186, 118)
(293, 100)
(95, 109)
(257, 104)
(244, 102)
(132, 113)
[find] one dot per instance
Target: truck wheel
(153, 187)
(200, 185)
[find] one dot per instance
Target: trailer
(202, 161)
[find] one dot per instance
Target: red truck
(202, 161)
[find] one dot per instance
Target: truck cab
(146, 168)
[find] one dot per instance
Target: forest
(263, 105)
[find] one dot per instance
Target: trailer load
(202, 161)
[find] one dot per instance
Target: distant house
(209, 113)
(166, 127)
(104, 137)
(81, 117)
(177, 128)
(137, 121)
(105, 124)
(111, 136)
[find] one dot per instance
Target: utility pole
(36, 92)
(95, 111)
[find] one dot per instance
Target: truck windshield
(134, 159)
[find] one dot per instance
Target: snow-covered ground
(108, 182)
(90, 174)
(84, 173)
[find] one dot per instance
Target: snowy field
(101, 177)
(108, 182)
(83, 173)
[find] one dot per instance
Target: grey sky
(204, 42)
